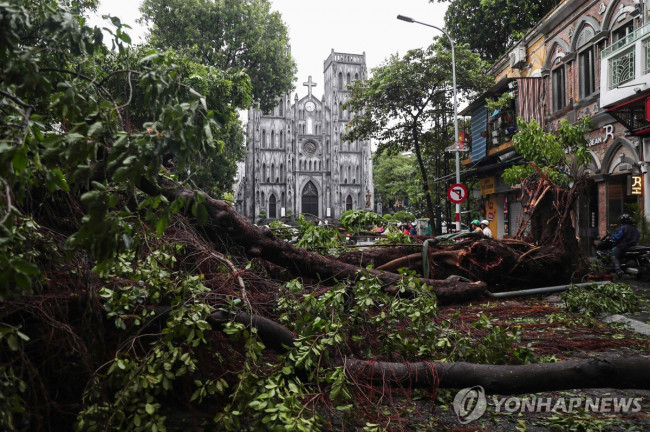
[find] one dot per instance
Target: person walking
(487, 232)
(626, 237)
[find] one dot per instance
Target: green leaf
(208, 133)
(149, 409)
(95, 128)
(128, 241)
(202, 214)
(90, 197)
(20, 160)
(125, 37)
(25, 267)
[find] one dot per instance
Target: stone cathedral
(297, 162)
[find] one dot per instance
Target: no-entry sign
(457, 193)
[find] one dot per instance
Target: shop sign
(487, 185)
(609, 133)
(637, 185)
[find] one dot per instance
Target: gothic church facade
(296, 161)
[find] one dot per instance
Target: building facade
(586, 58)
(297, 162)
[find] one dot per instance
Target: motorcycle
(635, 261)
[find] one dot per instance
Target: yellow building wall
(536, 57)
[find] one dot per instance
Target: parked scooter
(635, 261)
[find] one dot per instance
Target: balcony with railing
(491, 130)
(625, 67)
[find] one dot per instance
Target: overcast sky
(318, 26)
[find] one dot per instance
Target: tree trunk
(621, 373)
(609, 372)
(377, 256)
(227, 226)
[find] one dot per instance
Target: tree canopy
(561, 156)
(396, 177)
(402, 99)
(230, 35)
(491, 27)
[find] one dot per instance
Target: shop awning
(634, 115)
(492, 168)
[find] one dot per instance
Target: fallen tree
(612, 372)
(224, 223)
(607, 372)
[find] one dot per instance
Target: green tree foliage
(230, 35)
(403, 216)
(403, 97)
(560, 155)
(490, 27)
(68, 160)
(396, 177)
(356, 221)
(212, 171)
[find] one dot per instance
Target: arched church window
(273, 177)
(348, 203)
(272, 207)
(281, 109)
(356, 76)
(263, 138)
(272, 139)
(340, 86)
(264, 178)
(281, 139)
(281, 172)
(348, 79)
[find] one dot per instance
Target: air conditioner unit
(518, 57)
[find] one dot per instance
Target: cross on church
(309, 85)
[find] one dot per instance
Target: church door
(348, 203)
(310, 199)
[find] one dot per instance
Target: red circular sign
(457, 193)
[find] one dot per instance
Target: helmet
(476, 222)
(485, 222)
(625, 219)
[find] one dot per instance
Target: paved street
(639, 329)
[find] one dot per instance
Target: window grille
(621, 69)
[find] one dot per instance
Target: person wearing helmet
(626, 237)
(475, 226)
(487, 232)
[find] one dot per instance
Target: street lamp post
(456, 147)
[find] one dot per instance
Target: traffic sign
(457, 193)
